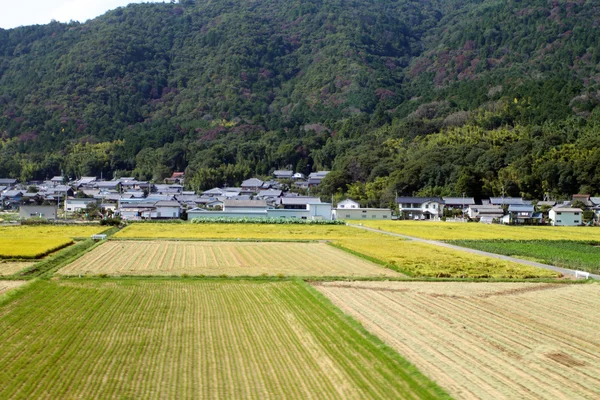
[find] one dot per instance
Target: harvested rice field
(12, 267)
(486, 340)
(179, 339)
(477, 231)
(222, 258)
(5, 286)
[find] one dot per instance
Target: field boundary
(412, 375)
(371, 259)
(563, 271)
(165, 239)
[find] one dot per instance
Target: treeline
(437, 97)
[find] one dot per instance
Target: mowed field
(37, 241)
(417, 259)
(487, 340)
(477, 231)
(12, 267)
(179, 339)
(223, 258)
(5, 286)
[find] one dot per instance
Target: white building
(421, 208)
(74, 204)
(564, 216)
(363, 213)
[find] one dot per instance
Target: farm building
(565, 216)
(34, 211)
(362, 213)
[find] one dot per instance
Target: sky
(32, 12)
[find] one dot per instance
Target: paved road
(479, 252)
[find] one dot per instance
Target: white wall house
(421, 207)
(563, 216)
(167, 209)
(74, 205)
(47, 212)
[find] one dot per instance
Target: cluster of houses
(131, 199)
(505, 210)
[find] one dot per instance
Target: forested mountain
(410, 96)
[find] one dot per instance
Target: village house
(283, 174)
(252, 184)
(458, 203)
(10, 199)
(485, 213)
(8, 182)
(507, 201)
(75, 204)
(522, 214)
(315, 178)
(426, 208)
(566, 216)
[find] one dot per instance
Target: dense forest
(424, 97)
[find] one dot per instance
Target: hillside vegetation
(410, 96)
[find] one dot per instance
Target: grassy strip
(391, 266)
(561, 253)
(420, 385)
(67, 256)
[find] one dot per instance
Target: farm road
(563, 271)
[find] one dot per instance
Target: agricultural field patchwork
(29, 242)
(417, 259)
(477, 231)
(140, 338)
(12, 267)
(222, 258)
(486, 340)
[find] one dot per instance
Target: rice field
(29, 242)
(486, 340)
(477, 231)
(583, 256)
(222, 258)
(12, 267)
(192, 339)
(416, 259)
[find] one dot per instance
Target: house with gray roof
(566, 216)
(421, 208)
(460, 203)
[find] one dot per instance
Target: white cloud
(43, 11)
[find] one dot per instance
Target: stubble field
(497, 340)
(222, 258)
(12, 267)
(192, 339)
(417, 259)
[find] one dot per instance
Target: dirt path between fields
(564, 271)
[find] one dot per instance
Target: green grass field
(136, 338)
(566, 254)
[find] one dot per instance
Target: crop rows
(487, 340)
(191, 339)
(222, 258)
(476, 231)
(418, 259)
